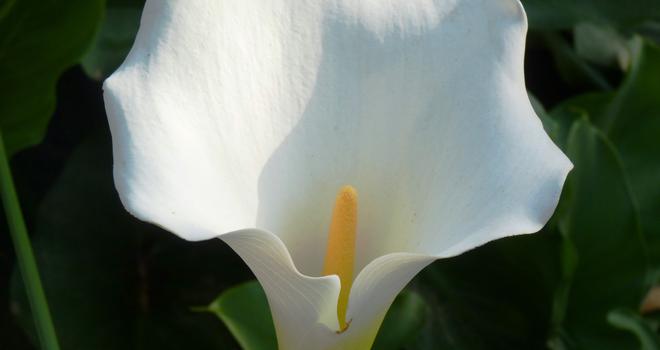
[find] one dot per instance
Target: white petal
(304, 308)
(233, 114)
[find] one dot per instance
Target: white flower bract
(240, 119)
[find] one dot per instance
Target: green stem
(25, 256)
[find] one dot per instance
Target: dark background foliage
(593, 69)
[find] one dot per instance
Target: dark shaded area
(78, 225)
(79, 106)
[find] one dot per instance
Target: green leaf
(563, 14)
(5, 7)
(632, 122)
(404, 321)
(630, 118)
(115, 283)
(572, 68)
(602, 45)
(576, 108)
(650, 31)
(605, 262)
(38, 41)
(496, 297)
(115, 39)
(631, 321)
(244, 309)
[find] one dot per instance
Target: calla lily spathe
(240, 119)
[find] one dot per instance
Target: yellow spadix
(340, 255)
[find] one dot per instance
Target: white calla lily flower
(241, 119)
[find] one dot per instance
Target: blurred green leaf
(403, 322)
(115, 283)
(632, 122)
(573, 68)
(650, 31)
(38, 41)
(5, 7)
(602, 45)
(115, 39)
(631, 321)
(605, 262)
(630, 118)
(496, 297)
(573, 109)
(244, 309)
(564, 14)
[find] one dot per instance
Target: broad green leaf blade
(115, 39)
(631, 321)
(38, 41)
(609, 267)
(630, 117)
(496, 297)
(244, 309)
(632, 122)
